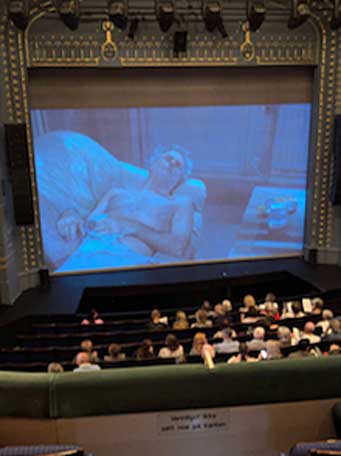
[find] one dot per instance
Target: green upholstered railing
(135, 390)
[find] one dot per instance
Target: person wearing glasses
(130, 226)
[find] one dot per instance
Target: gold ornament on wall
(247, 48)
(109, 48)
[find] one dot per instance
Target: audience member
(156, 323)
(257, 343)
(225, 323)
(303, 350)
(206, 306)
(270, 315)
(269, 298)
(219, 314)
(173, 348)
(114, 354)
(84, 364)
(273, 350)
(251, 316)
(249, 303)
(88, 347)
(146, 350)
(295, 312)
(317, 305)
(308, 333)
(327, 316)
(55, 368)
(243, 356)
(181, 321)
(227, 306)
(92, 319)
(284, 337)
(228, 345)
(334, 349)
(334, 331)
(199, 340)
(202, 320)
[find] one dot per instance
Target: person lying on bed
(145, 221)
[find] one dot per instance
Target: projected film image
(148, 186)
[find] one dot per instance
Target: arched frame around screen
(47, 43)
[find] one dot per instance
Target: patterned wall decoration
(97, 43)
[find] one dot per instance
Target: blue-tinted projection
(143, 186)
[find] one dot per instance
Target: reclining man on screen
(129, 226)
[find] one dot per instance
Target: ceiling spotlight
(134, 25)
(118, 14)
(255, 14)
(69, 12)
(180, 42)
(166, 14)
(299, 13)
(213, 18)
(336, 19)
(18, 13)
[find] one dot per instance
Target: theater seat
(305, 449)
(36, 450)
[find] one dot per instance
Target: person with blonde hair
(327, 316)
(88, 347)
(198, 343)
(257, 343)
(55, 368)
(181, 321)
(227, 306)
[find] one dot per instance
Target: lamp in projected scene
(213, 18)
(180, 42)
(299, 13)
(69, 12)
(255, 14)
(165, 15)
(335, 23)
(118, 14)
(18, 13)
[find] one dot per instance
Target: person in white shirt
(83, 363)
(308, 333)
(173, 349)
(327, 316)
(228, 345)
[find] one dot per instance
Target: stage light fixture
(69, 12)
(180, 42)
(165, 15)
(18, 13)
(118, 14)
(213, 18)
(336, 19)
(134, 25)
(299, 13)
(255, 14)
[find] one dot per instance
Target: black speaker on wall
(19, 170)
(336, 189)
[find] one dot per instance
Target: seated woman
(199, 342)
(181, 321)
(156, 323)
(243, 356)
(145, 351)
(173, 348)
(93, 319)
(114, 354)
(129, 226)
(202, 320)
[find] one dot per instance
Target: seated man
(129, 226)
